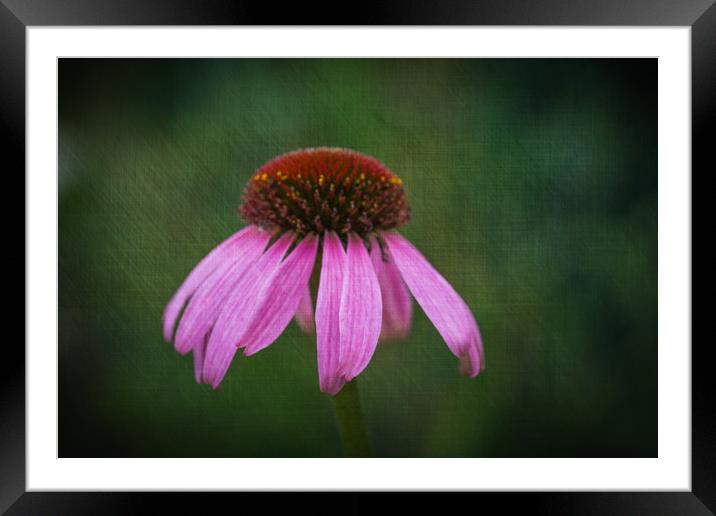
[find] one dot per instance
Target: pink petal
(197, 276)
(281, 296)
(397, 306)
(443, 306)
(328, 304)
(361, 310)
(206, 304)
(199, 352)
(239, 309)
(304, 313)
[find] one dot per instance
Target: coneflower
(335, 211)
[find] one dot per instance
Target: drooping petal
(206, 304)
(281, 297)
(199, 352)
(239, 309)
(304, 312)
(361, 310)
(200, 272)
(443, 306)
(397, 306)
(328, 302)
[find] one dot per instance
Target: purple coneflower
(332, 210)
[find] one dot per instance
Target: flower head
(319, 190)
(338, 205)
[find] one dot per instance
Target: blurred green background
(533, 185)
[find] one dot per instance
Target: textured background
(533, 185)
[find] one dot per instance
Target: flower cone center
(315, 190)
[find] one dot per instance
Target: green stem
(350, 421)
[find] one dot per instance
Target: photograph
(357, 257)
(435, 248)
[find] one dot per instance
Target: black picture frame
(17, 15)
